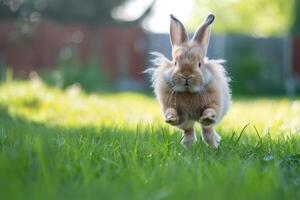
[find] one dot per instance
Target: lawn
(67, 144)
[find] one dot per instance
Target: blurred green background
(105, 45)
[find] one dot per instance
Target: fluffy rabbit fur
(191, 88)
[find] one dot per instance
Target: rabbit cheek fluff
(191, 89)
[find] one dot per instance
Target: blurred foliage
(251, 17)
(88, 11)
(88, 77)
(250, 70)
(296, 25)
(249, 78)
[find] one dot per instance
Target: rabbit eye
(175, 63)
(199, 64)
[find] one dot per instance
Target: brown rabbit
(191, 88)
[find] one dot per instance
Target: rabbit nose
(187, 83)
(187, 80)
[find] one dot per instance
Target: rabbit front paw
(171, 116)
(208, 117)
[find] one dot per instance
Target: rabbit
(191, 88)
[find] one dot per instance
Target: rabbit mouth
(188, 88)
(182, 87)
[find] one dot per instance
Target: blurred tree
(88, 11)
(295, 30)
(251, 17)
(7, 10)
(92, 12)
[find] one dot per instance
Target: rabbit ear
(178, 34)
(201, 36)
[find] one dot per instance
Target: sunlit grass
(68, 144)
(73, 108)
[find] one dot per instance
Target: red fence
(121, 50)
(296, 57)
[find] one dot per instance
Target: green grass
(70, 145)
